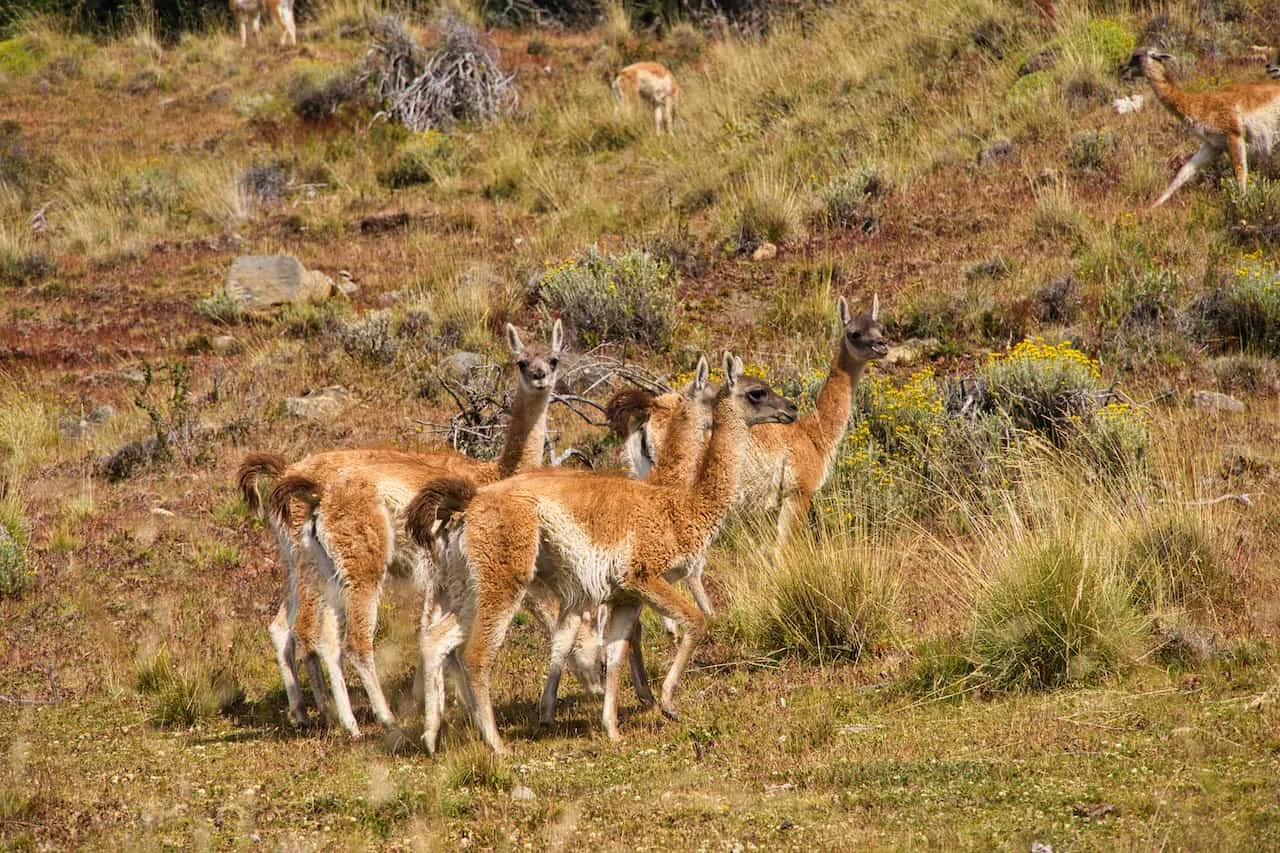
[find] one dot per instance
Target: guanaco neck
(678, 457)
(1174, 99)
(527, 433)
(718, 474)
(827, 424)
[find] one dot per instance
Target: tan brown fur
(653, 83)
(1234, 118)
(585, 539)
(254, 467)
(248, 12)
(367, 489)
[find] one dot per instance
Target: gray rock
(459, 365)
(1212, 401)
(101, 414)
(523, 794)
(319, 404)
(996, 152)
(261, 281)
(224, 344)
(911, 350)
(765, 252)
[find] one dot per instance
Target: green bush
(1031, 87)
(15, 573)
(1105, 38)
(220, 308)
(370, 339)
(1245, 312)
(1053, 615)
(1117, 439)
(1142, 300)
(1089, 150)
(848, 201)
(422, 160)
(625, 296)
(1041, 387)
(1253, 216)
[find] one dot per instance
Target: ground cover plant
(1035, 602)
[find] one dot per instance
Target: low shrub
(1052, 615)
(624, 296)
(1246, 373)
(370, 339)
(220, 308)
(1253, 217)
(317, 94)
(1145, 299)
(849, 201)
(1244, 313)
(1041, 387)
(15, 572)
(1089, 150)
(420, 161)
(1117, 439)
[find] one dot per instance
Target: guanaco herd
(585, 551)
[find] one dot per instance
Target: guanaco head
(537, 364)
(643, 419)
(1145, 62)
(754, 399)
(862, 337)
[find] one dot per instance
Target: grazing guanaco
(652, 83)
(587, 539)
(1236, 118)
(247, 11)
(352, 536)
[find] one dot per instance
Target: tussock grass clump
(1052, 613)
(183, 696)
(1253, 217)
(1117, 439)
(766, 209)
(603, 296)
(318, 93)
(220, 308)
(1090, 150)
(828, 598)
(1148, 298)
(474, 766)
(1243, 314)
(1248, 373)
(28, 434)
(1173, 561)
(420, 161)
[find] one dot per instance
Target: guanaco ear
(557, 337)
(513, 340)
(875, 306)
(1160, 56)
(843, 312)
(701, 375)
(732, 369)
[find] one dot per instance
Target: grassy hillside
(1038, 600)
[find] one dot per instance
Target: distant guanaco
(1235, 118)
(251, 10)
(651, 82)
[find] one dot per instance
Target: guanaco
(246, 11)
(652, 83)
(585, 538)
(352, 536)
(1235, 118)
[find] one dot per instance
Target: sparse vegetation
(629, 295)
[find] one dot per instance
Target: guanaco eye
(554, 363)
(522, 363)
(854, 335)
(755, 395)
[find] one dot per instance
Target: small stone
(996, 152)
(523, 794)
(1041, 847)
(224, 344)
(910, 351)
(1212, 401)
(765, 252)
(101, 414)
(459, 365)
(322, 403)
